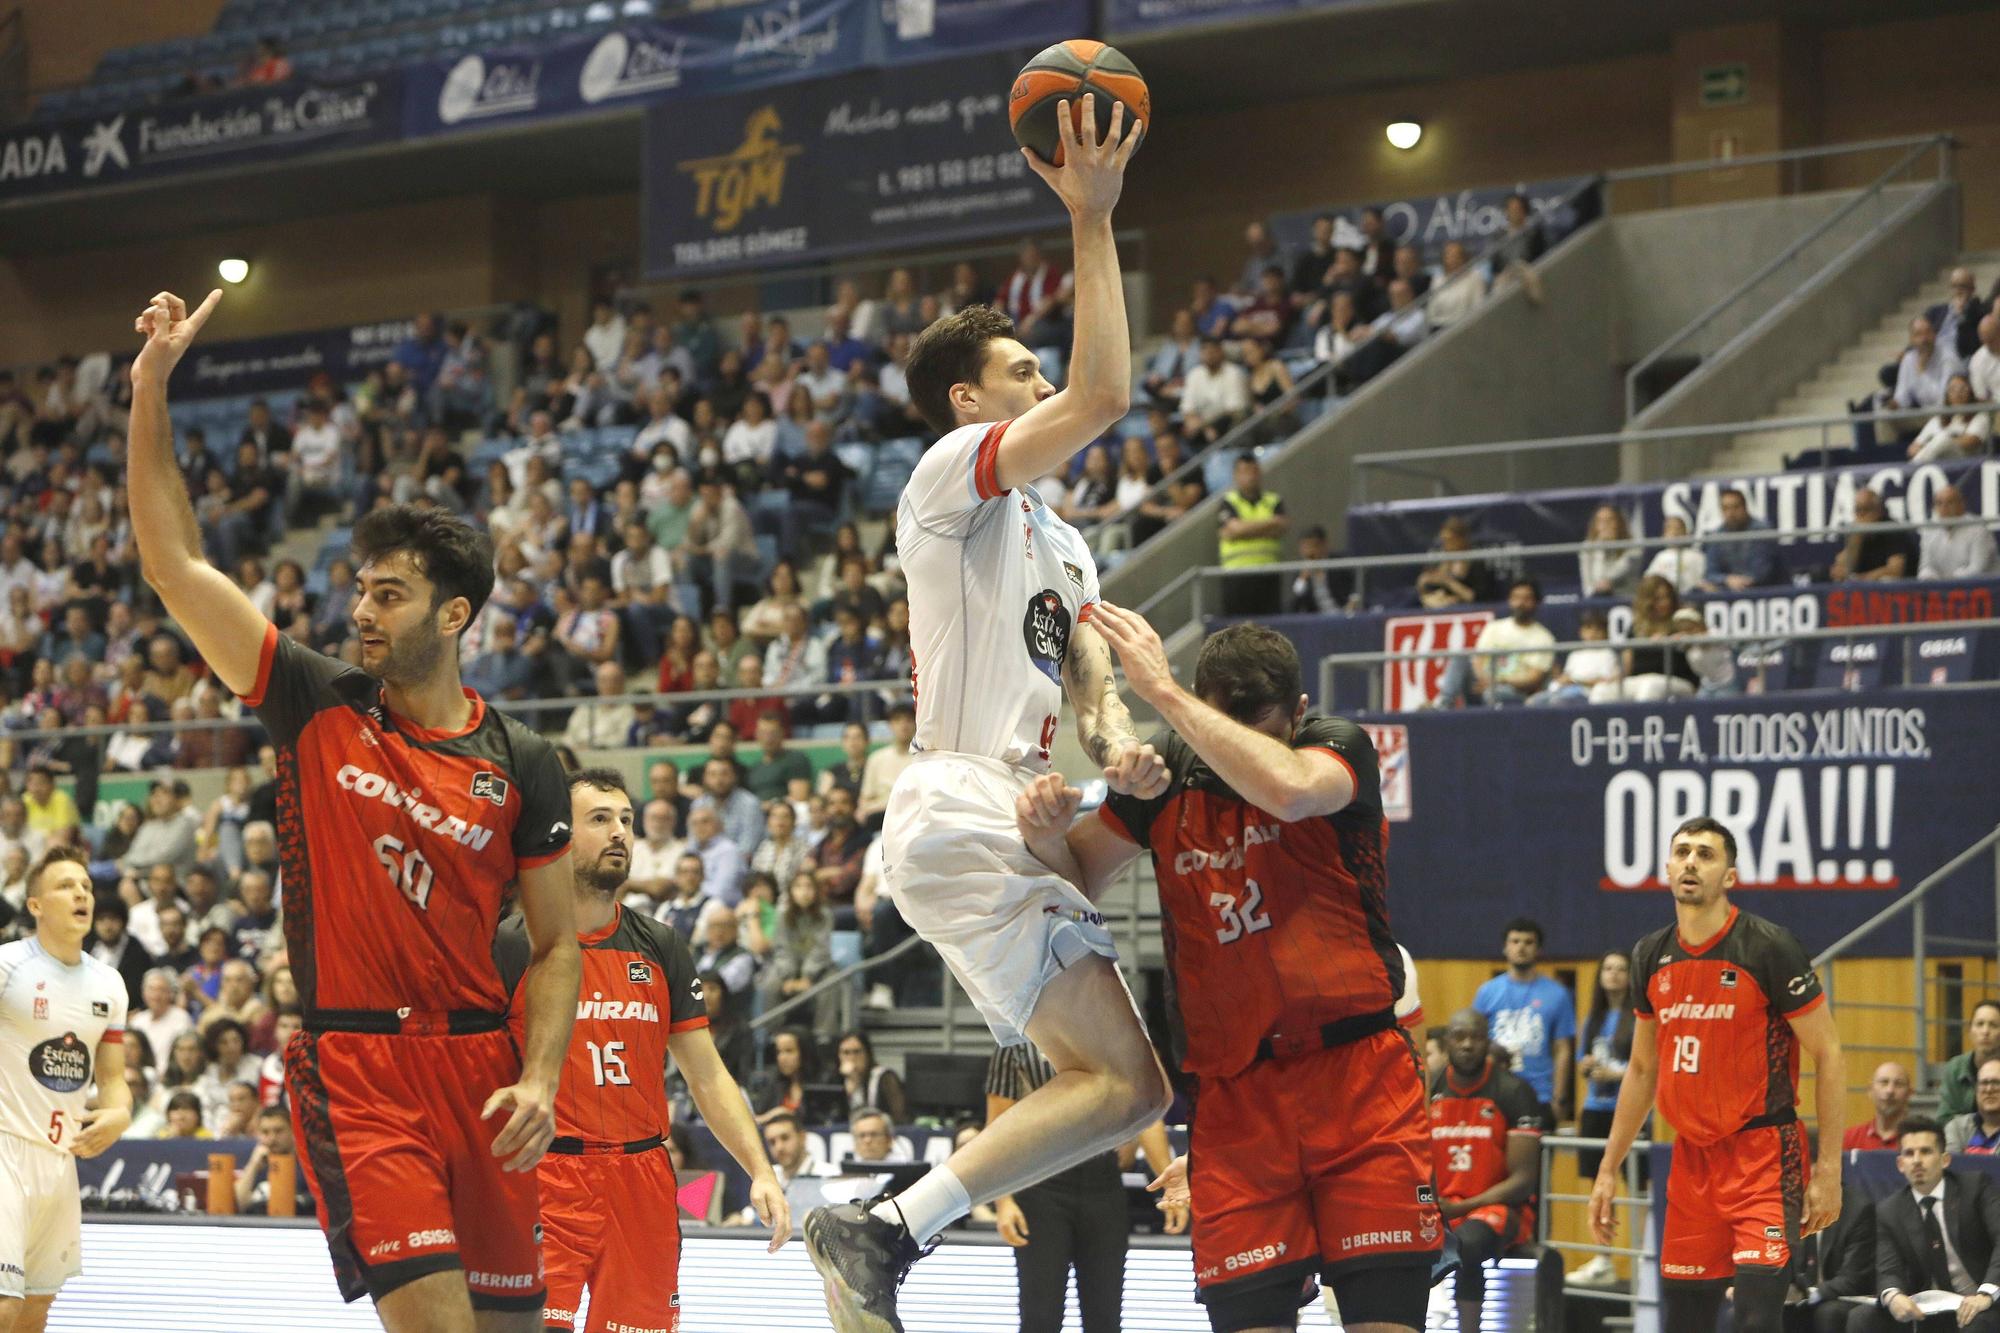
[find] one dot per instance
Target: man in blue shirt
(1533, 1016)
(1735, 566)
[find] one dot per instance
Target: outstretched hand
(1139, 650)
(1092, 174)
(168, 328)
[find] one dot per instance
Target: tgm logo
(474, 90)
(622, 66)
(748, 176)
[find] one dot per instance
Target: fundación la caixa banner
(1837, 804)
(911, 158)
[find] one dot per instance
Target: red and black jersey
(1470, 1125)
(396, 843)
(639, 987)
(1727, 1054)
(1271, 927)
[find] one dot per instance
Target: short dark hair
(1988, 1003)
(1525, 582)
(1246, 670)
(184, 1100)
(1919, 1124)
(897, 710)
(784, 1118)
(1703, 824)
(951, 351)
(601, 779)
(1737, 491)
(1524, 925)
(266, 1112)
(455, 556)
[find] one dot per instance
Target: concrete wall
(1813, 324)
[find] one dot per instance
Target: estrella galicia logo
(639, 973)
(60, 1064)
(490, 785)
(1046, 631)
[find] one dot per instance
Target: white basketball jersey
(52, 1017)
(997, 583)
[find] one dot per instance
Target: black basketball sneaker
(863, 1261)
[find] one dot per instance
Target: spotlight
(1404, 134)
(233, 270)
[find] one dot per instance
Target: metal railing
(1654, 446)
(1778, 264)
(1636, 1202)
(1921, 942)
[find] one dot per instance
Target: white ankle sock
(927, 1207)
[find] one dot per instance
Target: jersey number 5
(607, 1063)
(409, 872)
(1687, 1055)
(1236, 923)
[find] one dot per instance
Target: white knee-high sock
(929, 1206)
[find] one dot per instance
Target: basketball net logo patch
(490, 786)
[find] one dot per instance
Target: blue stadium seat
(411, 11)
(489, 32)
(55, 104)
(415, 45)
(529, 27)
(377, 15)
(380, 51)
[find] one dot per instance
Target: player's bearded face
(408, 653)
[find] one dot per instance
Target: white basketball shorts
(41, 1219)
(956, 868)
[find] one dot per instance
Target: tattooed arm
(1103, 724)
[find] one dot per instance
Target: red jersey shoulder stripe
(986, 464)
(1806, 1008)
(689, 1024)
(537, 862)
(265, 656)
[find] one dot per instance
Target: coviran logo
(751, 174)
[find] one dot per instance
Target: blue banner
(1139, 16)
(1475, 217)
(1836, 804)
(282, 363)
(232, 129)
(881, 160)
(909, 30)
(1788, 502)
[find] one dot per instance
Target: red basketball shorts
(401, 1166)
(610, 1223)
(1735, 1204)
(1320, 1163)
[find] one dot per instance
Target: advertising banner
(873, 161)
(1130, 16)
(1565, 815)
(1764, 617)
(1475, 217)
(283, 362)
(229, 129)
(1789, 502)
(909, 30)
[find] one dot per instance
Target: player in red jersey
(1724, 1002)
(1486, 1134)
(405, 810)
(610, 1220)
(1310, 1156)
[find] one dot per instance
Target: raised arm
(226, 629)
(555, 971)
(1099, 391)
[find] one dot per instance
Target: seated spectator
(1136, 476)
(1652, 671)
(850, 769)
(252, 934)
(727, 1024)
(1312, 589)
(1956, 318)
(184, 1117)
(1734, 566)
(1984, 367)
(836, 860)
(746, 714)
(1681, 565)
(777, 763)
(720, 950)
(267, 63)
(1956, 432)
(1216, 395)
(1924, 370)
(280, 997)
(801, 955)
(874, 1135)
(655, 853)
(111, 943)
(853, 656)
(782, 853)
(1166, 373)
(604, 724)
(1181, 494)
(765, 619)
(1948, 550)
(885, 765)
(799, 1172)
(720, 547)
(1459, 287)
(51, 813)
(1036, 297)
(273, 1129)
(1610, 566)
(1270, 381)
(1870, 554)
(1343, 333)
(203, 981)
(1094, 498)
(1458, 579)
(1588, 675)
(1347, 276)
(721, 857)
(816, 481)
(1977, 1132)
(1268, 316)
(1889, 1093)
(162, 1017)
(686, 899)
(227, 1046)
(1212, 311)
(1956, 1081)
(868, 1084)
(779, 1088)
(1404, 324)
(147, 1118)
(738, 809)
(1714, 664)
(239, 1113)
(1519, 656)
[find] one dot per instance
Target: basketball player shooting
(1000, 595)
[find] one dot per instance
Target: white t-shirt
(1517, 646)
(53, 1016)
(316, 450)
(997, 582)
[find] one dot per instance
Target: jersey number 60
(408, 871)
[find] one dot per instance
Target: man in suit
(1832, 1264)
(1957, 319)
(1942, 1233)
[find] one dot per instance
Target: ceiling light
(1404, 134)
(233, 270)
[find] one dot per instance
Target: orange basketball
(1071, 69)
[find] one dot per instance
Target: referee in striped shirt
(1076, 1218)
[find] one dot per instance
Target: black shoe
(863, 1260)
